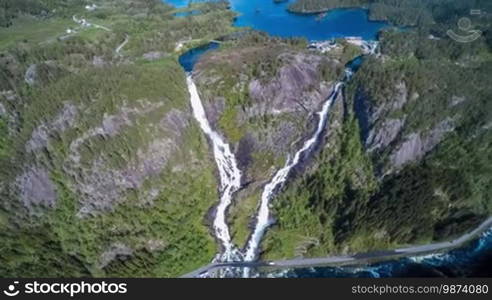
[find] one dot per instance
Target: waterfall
(263, 218)
(230, 176)
(230, 179)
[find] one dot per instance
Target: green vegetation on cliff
(424, 119)
(103, 171)
(262, 92)
(312, 212)
(399, 12)
(94, 180)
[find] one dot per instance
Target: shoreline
(329, 10)
(357, 259)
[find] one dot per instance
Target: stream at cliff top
(273, 18)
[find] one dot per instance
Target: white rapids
(230, 176)
(263, 219)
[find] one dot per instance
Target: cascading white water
(263, 220)
(230, 179)
(230, 175)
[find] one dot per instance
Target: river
(273, 18)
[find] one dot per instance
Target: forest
(399, 12)
(349, 199)
(78, 82)
(354, 200)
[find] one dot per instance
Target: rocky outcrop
(43, 72)
(116, 250)
(384, 124)
(416, 145)
(400, 97)
(380, 129)
(296, 88)
(36, 189)
(102, 186)
(155, 55)
(385, 135)
(31, 75)
(8, 95)
(3, 111)
(280, 110)
(111, 126)
(98, 183)
(175, 122)
(457, 100)
(99, 61)
(378, 111)
(40, 136)
(214, 110)
(121, 251)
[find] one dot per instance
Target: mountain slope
(103, 170)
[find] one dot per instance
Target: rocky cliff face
(387, 134)
(382, 130)
(264, 100)
(93, 168)
(420, 173)
(275, 115)
(296, 88)
(416, 145)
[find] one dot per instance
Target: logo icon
(11, 291)
(465, 25)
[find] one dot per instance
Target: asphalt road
(349, 259)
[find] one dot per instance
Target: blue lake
(265, 15)
(273, 18)
(182, 3)
(188, 59)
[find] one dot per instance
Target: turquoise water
(273, 18)
(265, 15)
(182, 3)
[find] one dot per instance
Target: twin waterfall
(230, 180)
